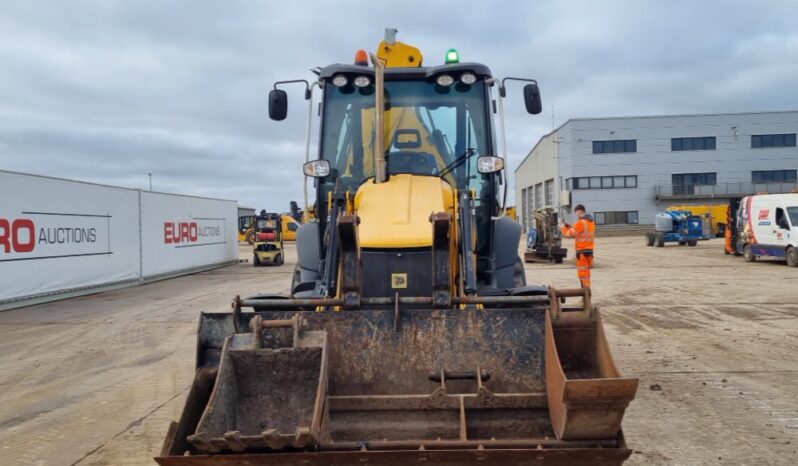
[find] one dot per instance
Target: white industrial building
(626, 169)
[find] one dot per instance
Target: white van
(768, 226)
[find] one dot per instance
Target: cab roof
(407, 73)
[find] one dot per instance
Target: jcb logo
(398, 280)
(17, 235)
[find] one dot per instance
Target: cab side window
(781, 219)
(292, 226)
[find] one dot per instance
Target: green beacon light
(452, 56)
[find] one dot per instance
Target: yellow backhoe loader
(410, 335)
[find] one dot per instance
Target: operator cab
(437, 153)
(437, 124)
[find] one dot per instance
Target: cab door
(781, 229)
(763, 216)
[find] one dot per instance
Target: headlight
(445, 80)
(468, 78)
(339, 80)
(489, 164)
(362, 81)
(317, 168)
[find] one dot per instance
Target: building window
(772, 140)
(619, 217)
(774, 176)
(602, 182)
(614, 147)
(685, 183)
(524, 213)
(549, 188)
(538, 196)
(700, 143)
(529, 206)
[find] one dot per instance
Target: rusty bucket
(265, 398)
(587, 395)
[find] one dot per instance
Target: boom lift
(410, 334)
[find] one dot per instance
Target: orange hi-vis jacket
(583, 232)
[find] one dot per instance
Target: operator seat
(408, 160)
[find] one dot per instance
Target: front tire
(255, 260)
(660, 239)
(748, 253)
(649, 239)
(692, 243)
(792, 257)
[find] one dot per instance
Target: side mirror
(532, 99)
(489, 164)
(317, 168)
(278, 104)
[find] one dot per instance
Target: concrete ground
(95, 380)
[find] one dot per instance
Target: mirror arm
(309, 98)
(532, 81)
(308, 86)
(500, 101)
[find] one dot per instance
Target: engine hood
(395, 214)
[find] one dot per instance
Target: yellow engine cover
(395, 214)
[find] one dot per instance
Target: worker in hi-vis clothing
(583, 232)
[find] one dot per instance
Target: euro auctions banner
(182, 232)
(58, 234)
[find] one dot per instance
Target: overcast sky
(110, 90)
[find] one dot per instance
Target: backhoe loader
(410, 335)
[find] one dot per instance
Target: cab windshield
(429, 130)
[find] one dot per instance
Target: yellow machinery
(289, 226)
(410, 336)
(510, 212)
(247, 227)
(714, 216)
(245, 223)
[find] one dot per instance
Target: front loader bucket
(392, 386)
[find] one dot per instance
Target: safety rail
(723, 190)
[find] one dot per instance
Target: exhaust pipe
(380, 175)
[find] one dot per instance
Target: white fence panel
(60, 235)
(182, 233)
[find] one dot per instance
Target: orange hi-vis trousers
(584, 261)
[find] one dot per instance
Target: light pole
(150, 176)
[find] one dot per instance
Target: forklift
(268, 240)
